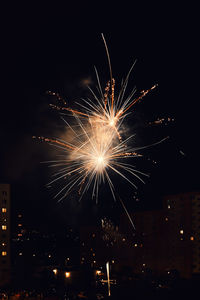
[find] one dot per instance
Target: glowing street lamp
(98, 272)
(67, 274)
(55, 271)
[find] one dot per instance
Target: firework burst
(96, 146)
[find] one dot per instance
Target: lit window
(93, 235)
(135, 245)
(94, 261)
(3, 244)
(191, 238)
(123, 240)
(4, 227)
(181, 231)
(20, 253)
(3, 210)
(3, 253)
(98, 272)
(113, 261)
(19, 225)
(68, 258)
(93, 254)
(168, 206)
(49, 255)
(166, 219)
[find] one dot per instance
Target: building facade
(183, 214)
(167, 239)
(5, 264)
(145, 247)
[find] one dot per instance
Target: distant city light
(55, 271)
(67, 274)
(98, 272)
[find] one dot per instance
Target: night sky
(48, 54)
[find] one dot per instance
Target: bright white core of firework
(100, 162)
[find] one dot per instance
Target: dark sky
(43, 52)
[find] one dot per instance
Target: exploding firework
(93, 146)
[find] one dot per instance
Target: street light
(55, 271)
(98, 272)
(67, 274)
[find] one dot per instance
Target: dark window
(4, 193)
(4, 201)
